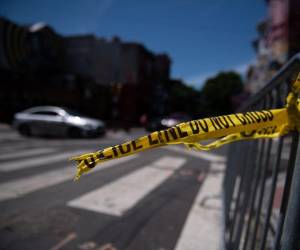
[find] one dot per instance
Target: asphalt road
(135, 203)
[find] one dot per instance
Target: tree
(182, 98)
(218, 92)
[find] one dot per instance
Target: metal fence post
(256, 212)
(291, 229)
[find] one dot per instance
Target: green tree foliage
(183, 98)
(218, 91)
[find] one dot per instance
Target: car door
(35, 121)
(54, 122)
(48, 122)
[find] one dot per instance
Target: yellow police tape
(227, 128)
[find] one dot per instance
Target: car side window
(51, 113)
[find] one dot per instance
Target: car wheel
(25, 130)
(75, 133)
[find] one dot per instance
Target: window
(52, 113)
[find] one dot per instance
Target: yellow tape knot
(293, 107)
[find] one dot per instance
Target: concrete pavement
(161, 199)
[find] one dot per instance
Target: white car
(56, 121)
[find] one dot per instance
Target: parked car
(56, 121)
(167, 122)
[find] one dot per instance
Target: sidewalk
(203, 228)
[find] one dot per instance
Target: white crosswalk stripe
(8, 148)
(202, 226)
(26, 152)
(119, 196)
(37, 161)
(33, 183)
(8, 136)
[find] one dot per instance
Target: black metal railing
(261, 188)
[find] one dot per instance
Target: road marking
(37, 161)
(202, 229)
(26, 152)
(119, 196)
(66, 240)
(27, 185)
(9, 136)
(199, 154)
(16, 146)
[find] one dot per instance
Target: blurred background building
(110, 79)
(121, 81)
(278, 40)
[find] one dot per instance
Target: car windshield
(72, 112)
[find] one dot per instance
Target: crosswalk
(30, 170)
(36, 182)
(37, 161)
(26, 153)
(119, 196)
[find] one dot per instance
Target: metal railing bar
(291, 228)
(253, 195)
(230, 180)
(258, 173)
(237, 184)
(238, 201)
(247, 187)
(270, 101)
(272, 193)
(261, 194)
(286, 190)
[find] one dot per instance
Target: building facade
(109, 79)
(113, 61)
(278, 40)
